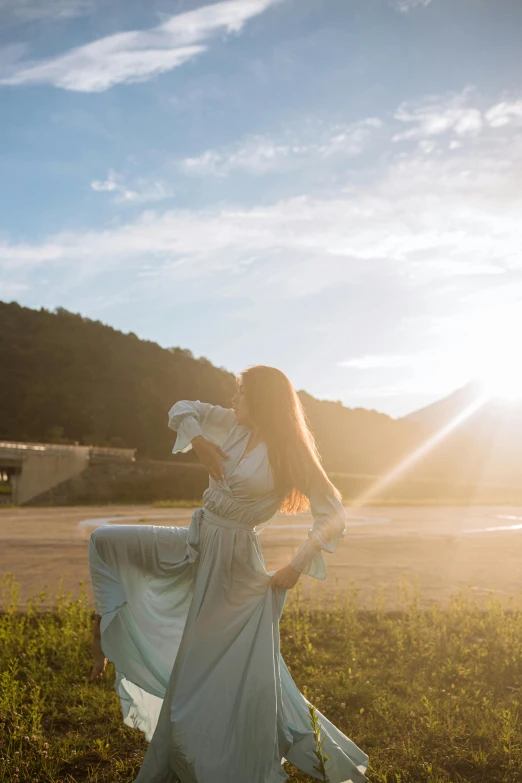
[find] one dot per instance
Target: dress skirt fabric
(191, 623)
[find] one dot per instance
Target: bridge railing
(95, 453)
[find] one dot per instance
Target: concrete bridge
(30, 469)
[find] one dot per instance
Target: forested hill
(69, 379)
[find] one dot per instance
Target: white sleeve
(328, 527)
(189, 418)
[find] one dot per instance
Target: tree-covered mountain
(71, 379)
(489, 433)
(66, 378)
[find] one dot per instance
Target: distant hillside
(67, 379)
(487, 445)
(439, 413)
(70, 379)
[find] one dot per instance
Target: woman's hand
(286, 577)
(209, 455)
(100, 662)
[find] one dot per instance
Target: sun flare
(492, 352)
(503, 381)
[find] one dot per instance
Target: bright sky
(328, 186)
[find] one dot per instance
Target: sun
(501, 371)
(503, 380)
(492, 352)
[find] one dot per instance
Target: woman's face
(240, 405)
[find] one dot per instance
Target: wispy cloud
(403, 6)
(438, 116)
(138, 55)
(454, 116)
(261, 154)
(431, 236)
(426, 220)
(504, 113)
(455, 119)
(141, 191)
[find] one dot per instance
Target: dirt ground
(442, 549)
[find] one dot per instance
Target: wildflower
(343, 704)
(46, 745)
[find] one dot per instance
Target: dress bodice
(247, 493)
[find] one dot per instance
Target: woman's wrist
(304, 556)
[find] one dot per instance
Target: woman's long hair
(276, 409)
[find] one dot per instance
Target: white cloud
(35, 10)
(108, 185)
(450, 117)
(441, 115)
(448, 223)
(403, 6)
(260, 154)
(453, 115)
(137, 55)
(142, 190)
(427, 220)
(504, 113)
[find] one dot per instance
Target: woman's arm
(189, 418)
(100, 661)
(329, 525)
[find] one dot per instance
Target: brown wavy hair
(276, 409)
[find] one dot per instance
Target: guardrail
(95, 453)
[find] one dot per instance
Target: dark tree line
(69, 379)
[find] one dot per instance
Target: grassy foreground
(433, 696)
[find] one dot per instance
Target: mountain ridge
(73, 379)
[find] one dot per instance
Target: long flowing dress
(191, 622)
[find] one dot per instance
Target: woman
(190, 616)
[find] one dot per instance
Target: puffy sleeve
(329, 525)
(189, 418)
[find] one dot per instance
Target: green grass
(433, 696)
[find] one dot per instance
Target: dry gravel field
(442, 549)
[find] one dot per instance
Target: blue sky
(331, 187)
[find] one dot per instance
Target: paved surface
(445, 549)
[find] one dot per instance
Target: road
(443, 549)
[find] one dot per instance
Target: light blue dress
(191, 623)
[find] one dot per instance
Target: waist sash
(214, 519)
